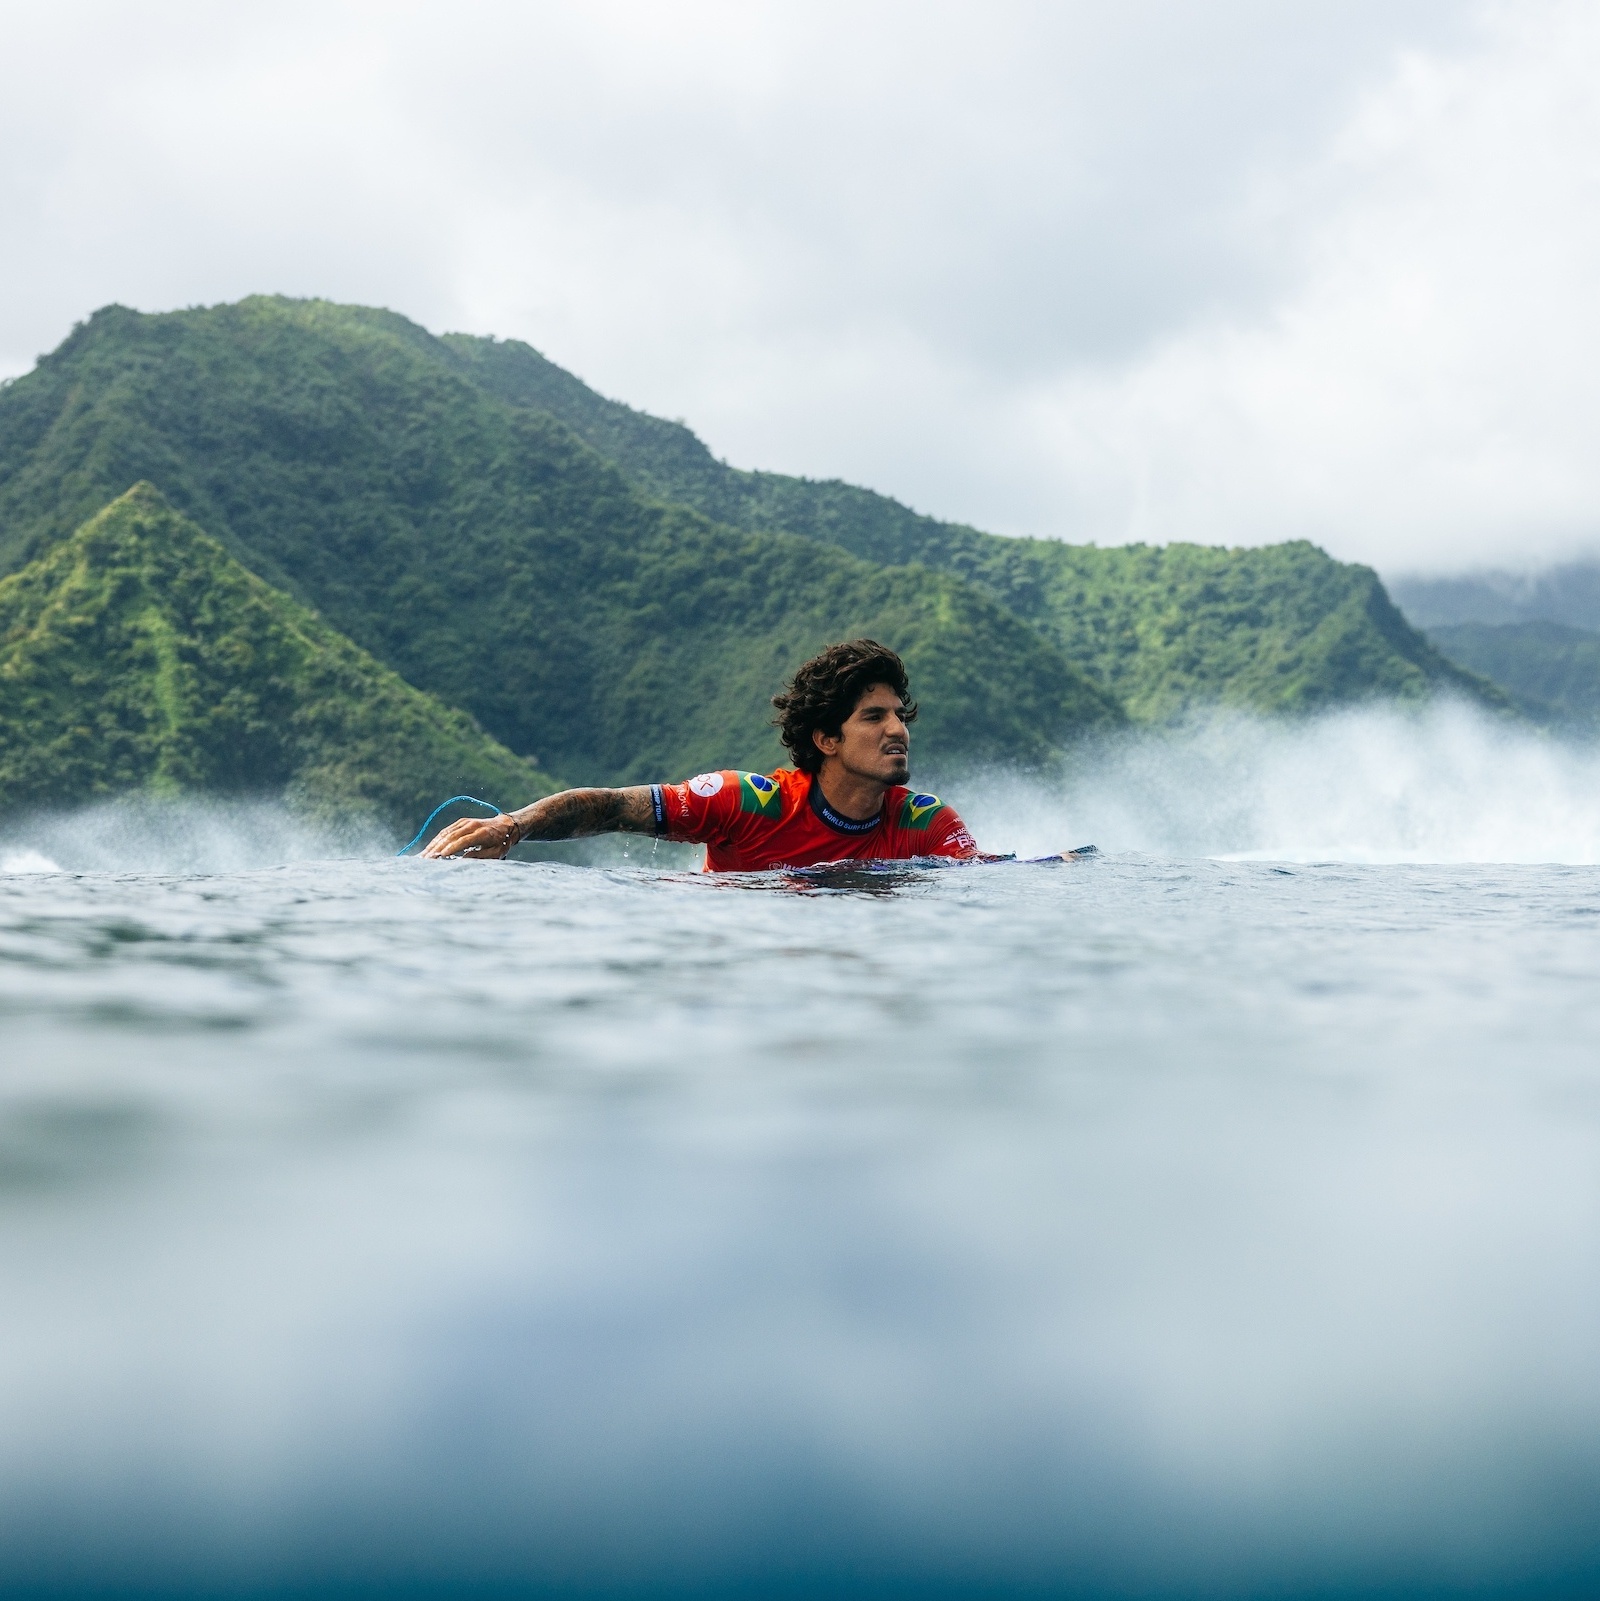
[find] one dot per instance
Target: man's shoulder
(912, 809)
(715, 780)
(775, 794)
(761, 793)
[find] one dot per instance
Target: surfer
(844, 717)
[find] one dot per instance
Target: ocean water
(1218, 1217)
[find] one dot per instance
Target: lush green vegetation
(138, 655)
(486, 553)
(1280, 629)
(585, 581)
(1552, 671)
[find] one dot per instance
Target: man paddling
(844, 718)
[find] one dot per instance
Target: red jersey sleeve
(700, 811)
(949, 836)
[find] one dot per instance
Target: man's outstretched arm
(572, 814)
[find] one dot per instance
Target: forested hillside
(1282, 628)
(137, 655)
(487, 554)
(599, 592)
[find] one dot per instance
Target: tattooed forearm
(576, 812)
(569, 815)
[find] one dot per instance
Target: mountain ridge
(1280, 628)
(601, 594)
(488, 555)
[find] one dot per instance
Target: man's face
(873, 742)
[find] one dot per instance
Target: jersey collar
(835, 820)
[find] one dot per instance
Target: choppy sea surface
(1161, 1225)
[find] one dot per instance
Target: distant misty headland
(1567, 593)
(299, 548)
(1536, 634)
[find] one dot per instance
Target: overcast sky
(1231, 270)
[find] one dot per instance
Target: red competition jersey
(750, 822)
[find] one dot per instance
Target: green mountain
(138, 655)
(1283, 628)
(1551, 671)
(486, 553)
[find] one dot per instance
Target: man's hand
(487, 838)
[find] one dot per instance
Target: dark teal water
(1158, 1226)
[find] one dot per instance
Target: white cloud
(1232, 272)
(1427, 393)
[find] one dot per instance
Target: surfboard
(834, 872)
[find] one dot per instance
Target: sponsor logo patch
(920, 810)
(760, 794)
(707, 784)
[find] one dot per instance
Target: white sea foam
(190, 835)
(1382, 784)
(1445, 784)
(27, 861)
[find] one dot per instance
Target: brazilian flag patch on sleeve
(760, 794)
(918, 811)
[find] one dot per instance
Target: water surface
(1152, 1226)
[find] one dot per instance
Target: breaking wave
(1444, 784)
(140, 834)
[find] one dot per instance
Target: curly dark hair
(824, 692)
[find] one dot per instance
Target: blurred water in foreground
(1159, 1225)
